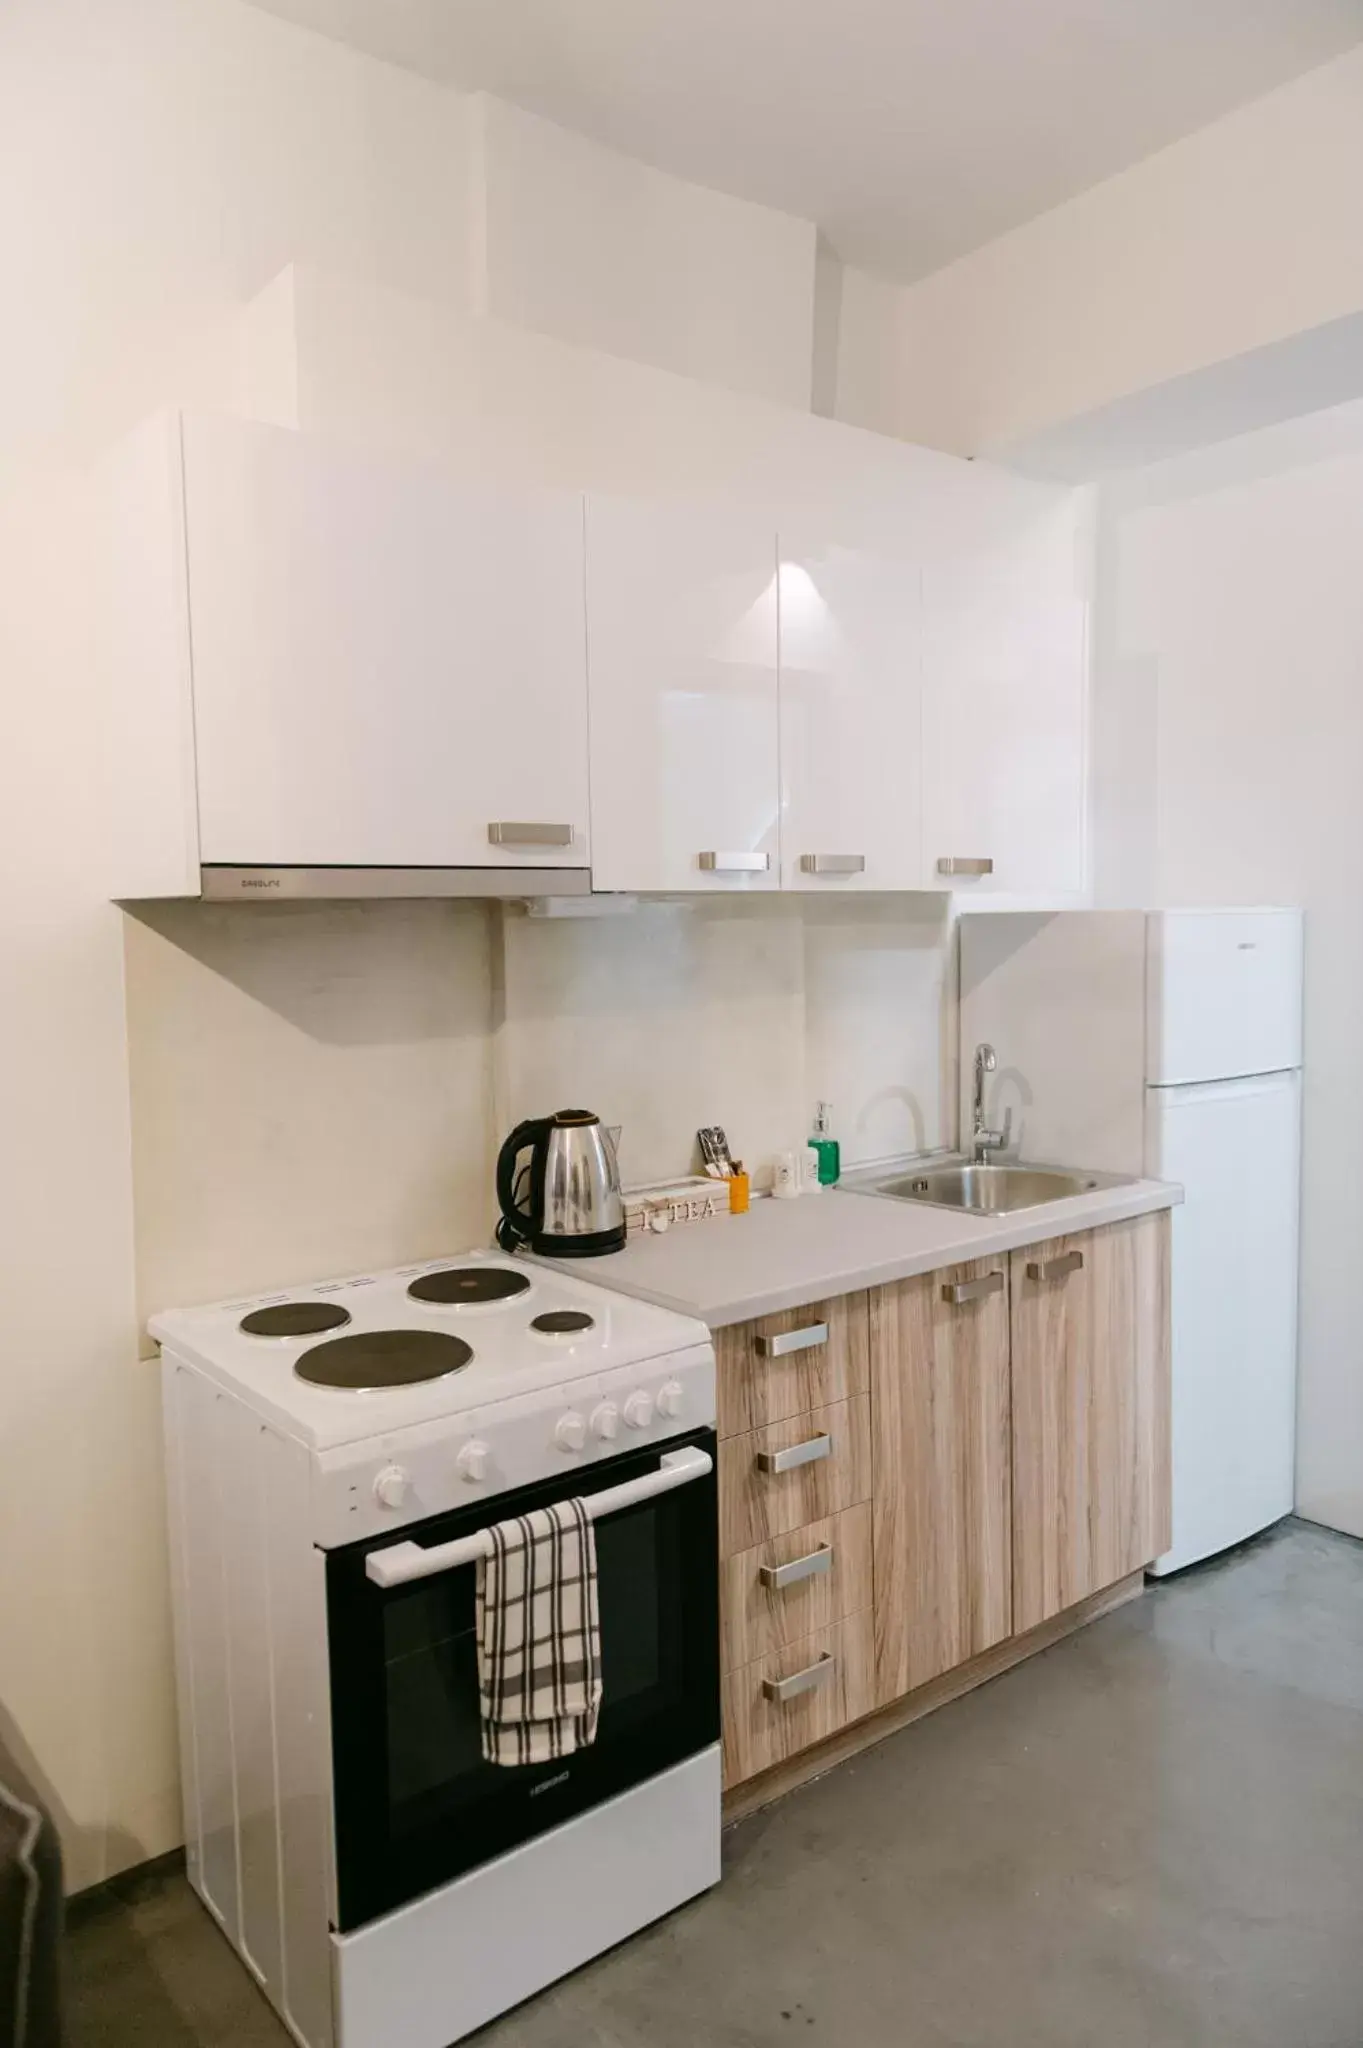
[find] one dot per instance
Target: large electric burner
(372, 1359)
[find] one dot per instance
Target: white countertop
(782, 1254)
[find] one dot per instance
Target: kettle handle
(517, 1223)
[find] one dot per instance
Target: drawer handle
(783, 1689)
(832, 863)
(776, 1577)
(959, 1291)
(529, 835)
(734, 863)
(808, 1453)
(1055, 1269)
(781, 1346)
(959, 864)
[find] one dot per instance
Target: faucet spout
(983, 1141)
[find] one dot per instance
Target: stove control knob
(670, 1399)
(471, 1464)
(606, 1421)
(639, 1410)
(570, 1432)
(390, 1488)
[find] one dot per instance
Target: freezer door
(1223, 994)
(1235, 1147)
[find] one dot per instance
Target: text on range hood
(220, 884)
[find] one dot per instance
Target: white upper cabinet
(851, 718)
(682, 648)
(388, 663)
(1005, 665)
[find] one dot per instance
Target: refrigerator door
(1223, 994)
(1235, 1146)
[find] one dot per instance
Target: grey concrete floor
(1149, 1837)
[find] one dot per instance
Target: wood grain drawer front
(786, 1364)
(780, 1704)
(779, 1591)
(1090, 1326)
(775, 1480)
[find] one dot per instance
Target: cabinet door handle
(783, 1689)
(786, 1341)
(734, 863)
(808, 1453)
(959, 1291)
(1055, 1269)
(832, 863)
(963, 864)
(505, 834)
(776, 1577)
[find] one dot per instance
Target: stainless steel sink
(987, 1190)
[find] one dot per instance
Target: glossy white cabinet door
(386, 660)
(681, 631)
(1004, 698)
(851, 719)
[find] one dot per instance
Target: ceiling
(910, 130)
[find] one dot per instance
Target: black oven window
(431, 1665)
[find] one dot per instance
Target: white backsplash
(321, 1088)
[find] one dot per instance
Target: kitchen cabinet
(388, 662)
(1004, 712)
(851, 718)
(928, 1473)
(1090, 1344)
(322, 660)
(940, 1460)
(685, 749)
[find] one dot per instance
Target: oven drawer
(774, 1480)
(782, 1590)
(783, 1365)
(780, 1704)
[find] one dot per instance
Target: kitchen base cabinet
(987, 1470)
(1090, 1340)
(940, 1465)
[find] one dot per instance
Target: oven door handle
(400, 1564)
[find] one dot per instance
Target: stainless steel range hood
(348, 885)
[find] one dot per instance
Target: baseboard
(760, 1791)
(124, 1884)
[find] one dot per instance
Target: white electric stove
(335, 1453)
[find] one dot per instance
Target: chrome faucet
(983, 1141)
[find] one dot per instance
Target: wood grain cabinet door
(1090, 1325)
(940, 1459)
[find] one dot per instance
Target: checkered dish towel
(539, 1636)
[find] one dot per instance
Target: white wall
(580, 242)
(1228, 751)
(1239, 236)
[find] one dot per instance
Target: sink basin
(988, 1190)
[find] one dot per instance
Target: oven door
(415, 1803)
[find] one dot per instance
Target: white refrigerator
(1170, 1043)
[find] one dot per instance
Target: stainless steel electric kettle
(570, 1205)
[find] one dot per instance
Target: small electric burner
(563, 1322)
(294, 1319)
(372, 1359)
(454, 1286)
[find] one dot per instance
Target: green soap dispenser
(826, 1148)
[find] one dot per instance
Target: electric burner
(454, 1286)
(294, 1319)
(373, 1359)
(563, 1322)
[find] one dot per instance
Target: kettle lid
(566, 1117)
